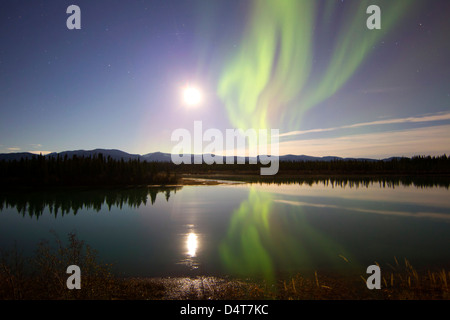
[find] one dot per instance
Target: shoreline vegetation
(43, 277)
(41, 172)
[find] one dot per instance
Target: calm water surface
(240, 229)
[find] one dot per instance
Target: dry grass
(400, 281)
(44, 275)
(47, 280)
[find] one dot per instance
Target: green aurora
(265, 235)
(270, 81)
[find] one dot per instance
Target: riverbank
(213, 288)
(217, 178)
(400, 282)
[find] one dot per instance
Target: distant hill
(16, 156)
(160, 156)
(113, 153)
(157, 157)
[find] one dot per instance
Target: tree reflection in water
(65, 202)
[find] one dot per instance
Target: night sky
(309, 68)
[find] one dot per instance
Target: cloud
(425, 118)
(13, 149)
(384, 90)
(39, 152)
(434, 215)
(421, 141)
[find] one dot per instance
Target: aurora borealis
(272, 64)
(257, 237)
(266, 81)
(310, 68)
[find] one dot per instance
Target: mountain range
(157, 156)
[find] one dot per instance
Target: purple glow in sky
(118, 81)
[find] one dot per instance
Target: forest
(97, 170)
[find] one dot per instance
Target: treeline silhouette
(97, 170)
(64, 202)
(420, 181)
(94, 170)
(416, 165)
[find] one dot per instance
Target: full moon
(192, 96)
